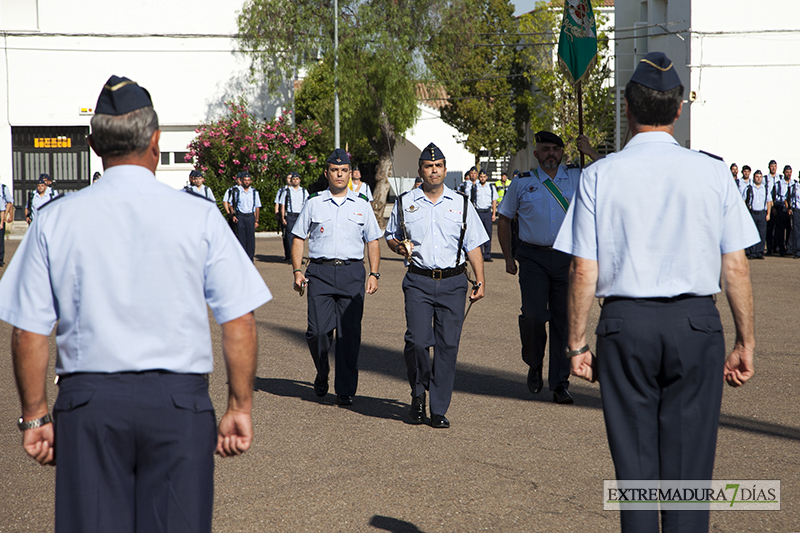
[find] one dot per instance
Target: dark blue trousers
(783, 230)
(336, 302)
(288, 238)
(135, 453)
(246, 232)
(760, 219)
(660, 370)
(794, 246)
(3, 239)
(434, 316)
(486, 219)
(543, 282)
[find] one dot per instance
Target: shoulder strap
(30, 201)
(463, 230)
(748, 198)
(363, 196)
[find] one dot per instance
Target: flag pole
(580, 116)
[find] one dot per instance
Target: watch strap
(572, 353)
(31, 424)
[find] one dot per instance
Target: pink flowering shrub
(267, 150)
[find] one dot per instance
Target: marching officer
(294, 198)
(337, 222)
(484, 197)
(783, 224)
(246, 212)
(38, 198)
(792, 203)
(230, 201)
(435, 229)
(759, 201)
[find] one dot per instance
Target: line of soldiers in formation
(773, 200)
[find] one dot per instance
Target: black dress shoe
(562, 396)
(417, 411)
(439, 421)
(488, 260)
(320, 386)
(343, 399)
(535, 382)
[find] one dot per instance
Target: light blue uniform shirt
(203, 191)
(39, 200)
(540, 214)
(484, 195)
(296, 199)
(279, 196)
(248, 200)
(5, 196)
(365, 190)
(760, 196)
(129, 290)
(743, 185)
(656, 217)
(434, 228)
(781, 189)
(336, 228)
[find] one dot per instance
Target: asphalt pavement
(511, 461)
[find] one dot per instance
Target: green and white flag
(577, 44)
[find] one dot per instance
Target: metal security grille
(61, 151)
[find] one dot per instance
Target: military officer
(230, 200)
(436, 230)
(294, 199)
(135, 430)
(337, 222)
(759, 201)
(246, 212)
(358, 186)
(7, 207)
(792, 203)
(484, 197)
(660, 345)
(279, 198)
(540, 200)
(38, 198)
(196, 186)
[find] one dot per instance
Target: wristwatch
(30, 424)
(572, 353)
(376, 274)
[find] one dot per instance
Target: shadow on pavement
(269, 258)
(393, 525)
(754, 426)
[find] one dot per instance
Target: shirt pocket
(416, 226)
(321, 227)
(533, 200)
(355, 226)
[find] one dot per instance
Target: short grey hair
(121, 135)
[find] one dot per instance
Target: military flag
(577, 44)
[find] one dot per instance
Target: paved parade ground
(511, 462)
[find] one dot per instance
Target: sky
(523, 6)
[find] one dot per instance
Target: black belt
(758, 212)
(661, 300)
(245, 214)
(535, 246)
(335, 262)
(438, 273)
(487, 210)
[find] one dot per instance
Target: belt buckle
(338, 262)
(436, 274)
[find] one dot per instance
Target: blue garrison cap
(431, 153)
(548, 137)
(294, 175)
(41, 180)
(516, 173)
(195, 174)
(43, 177)
(656, 71)
(244, 174)
(471, 169)
(338, 157)
(120, 96)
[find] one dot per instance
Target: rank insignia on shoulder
(412, 208)
(313, 195)
(363, 196)
(711, 155)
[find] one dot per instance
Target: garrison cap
(41, 180)
(746, 167)
(244, 174)
(418, 180)
(516, 173)
(548, 137)
(787, 167)
(294, 175)
(120, 96)
(772, 162)
(471, 169)
(195, 174)
(338, 157)
(44, 177)
(656, 71)
(432, 153)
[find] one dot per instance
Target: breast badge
(412, 208)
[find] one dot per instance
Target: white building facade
(740, 66)
(59, 54)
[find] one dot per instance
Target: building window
(165, 158)
(180, 157)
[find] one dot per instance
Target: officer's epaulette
(712, 155)
(573, 165)
(313, 195)
(363, 196)
(193, 193)
(51, 200)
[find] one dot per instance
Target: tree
(267, 150)
(554, 101)
(481, 71)
(379, 42)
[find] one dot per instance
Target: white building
(59, 54)
(739, 63)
